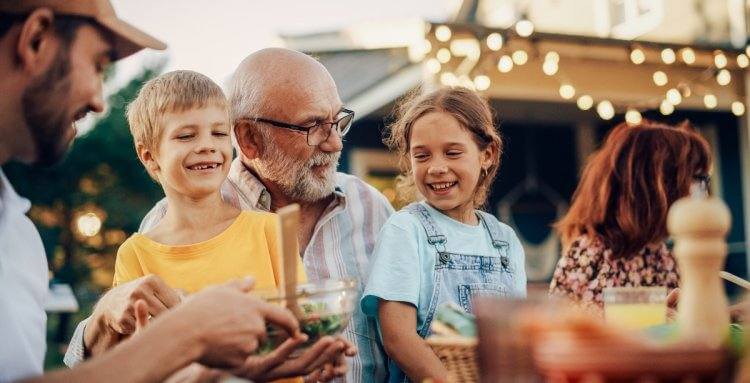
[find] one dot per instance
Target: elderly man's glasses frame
(319, 132)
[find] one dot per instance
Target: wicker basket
(459, 356)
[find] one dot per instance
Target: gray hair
(245, 100)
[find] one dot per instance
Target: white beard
(296, 179)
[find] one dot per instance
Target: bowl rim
(309, 289)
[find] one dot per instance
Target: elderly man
(288, 124)
(53, 54)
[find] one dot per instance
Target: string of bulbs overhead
(493, 45)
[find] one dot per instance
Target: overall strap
(434, 237)
(490, 223)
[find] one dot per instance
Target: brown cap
(128, 39)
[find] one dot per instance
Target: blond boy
(180, 126)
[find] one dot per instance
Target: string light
(466, 82)
(723, 77)
(448, 79)
(720, 60)
(552, 56)
(738, 108)
(633, 117)
(520, 57)
(660, 78)
(637, 56)
(433, 65)
(666, 108)
(524, 28)
(585, 102)
(482, 82)
(550, 67)
(668, 56)
(743, 61)
(688, 55)
(605, 109)
(443, 33)
(505, 64)
(495, 41)
(674, 97)
(444, 55)
(567, 91)
(710, 101)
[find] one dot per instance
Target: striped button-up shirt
(341, 247)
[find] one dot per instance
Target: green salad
(316, 323)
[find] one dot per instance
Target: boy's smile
(194, 151)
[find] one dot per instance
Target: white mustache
(323, 159)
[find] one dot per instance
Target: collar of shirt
(10, 201)
(250, 191)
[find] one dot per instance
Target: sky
(213, 36)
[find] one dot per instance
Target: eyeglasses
(318, 132)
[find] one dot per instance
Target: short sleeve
(518, 254)
(395, 272)
(127, 267)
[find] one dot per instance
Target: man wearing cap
(52, 57)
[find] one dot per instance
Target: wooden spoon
(288, 229)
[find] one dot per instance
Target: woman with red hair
(614, 233)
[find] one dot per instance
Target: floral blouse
(588, 266)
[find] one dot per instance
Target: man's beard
(297, 180)
(44, 109)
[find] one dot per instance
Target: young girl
(441, 249)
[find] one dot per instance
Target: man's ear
(36, 42)
(248, 139)
(147, 159)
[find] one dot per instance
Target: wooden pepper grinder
(699, 225)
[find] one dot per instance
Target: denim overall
(459, 277)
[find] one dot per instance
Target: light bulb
(444, 55)
(524, 28)
(482, 82)
(637, 56)
(720, 60)
(495, 41)
(520, 57)
(674, 97)
(633, 117)
(710, 101)
(433, 65)
(606, 110)
(738, 108)
(567, 91)
(723, 77)
(666, 108)
(505, 64)
(660, 78)
(688, 55)
(668, 56)
(550, 67)
(443, 33)
(585, 102)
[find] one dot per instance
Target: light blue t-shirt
(404, 262)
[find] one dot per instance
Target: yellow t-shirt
(247, 247)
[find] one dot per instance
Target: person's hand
(196, 373)
(229, 323)
(323, 361)
(114, 316)
(333, 369)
